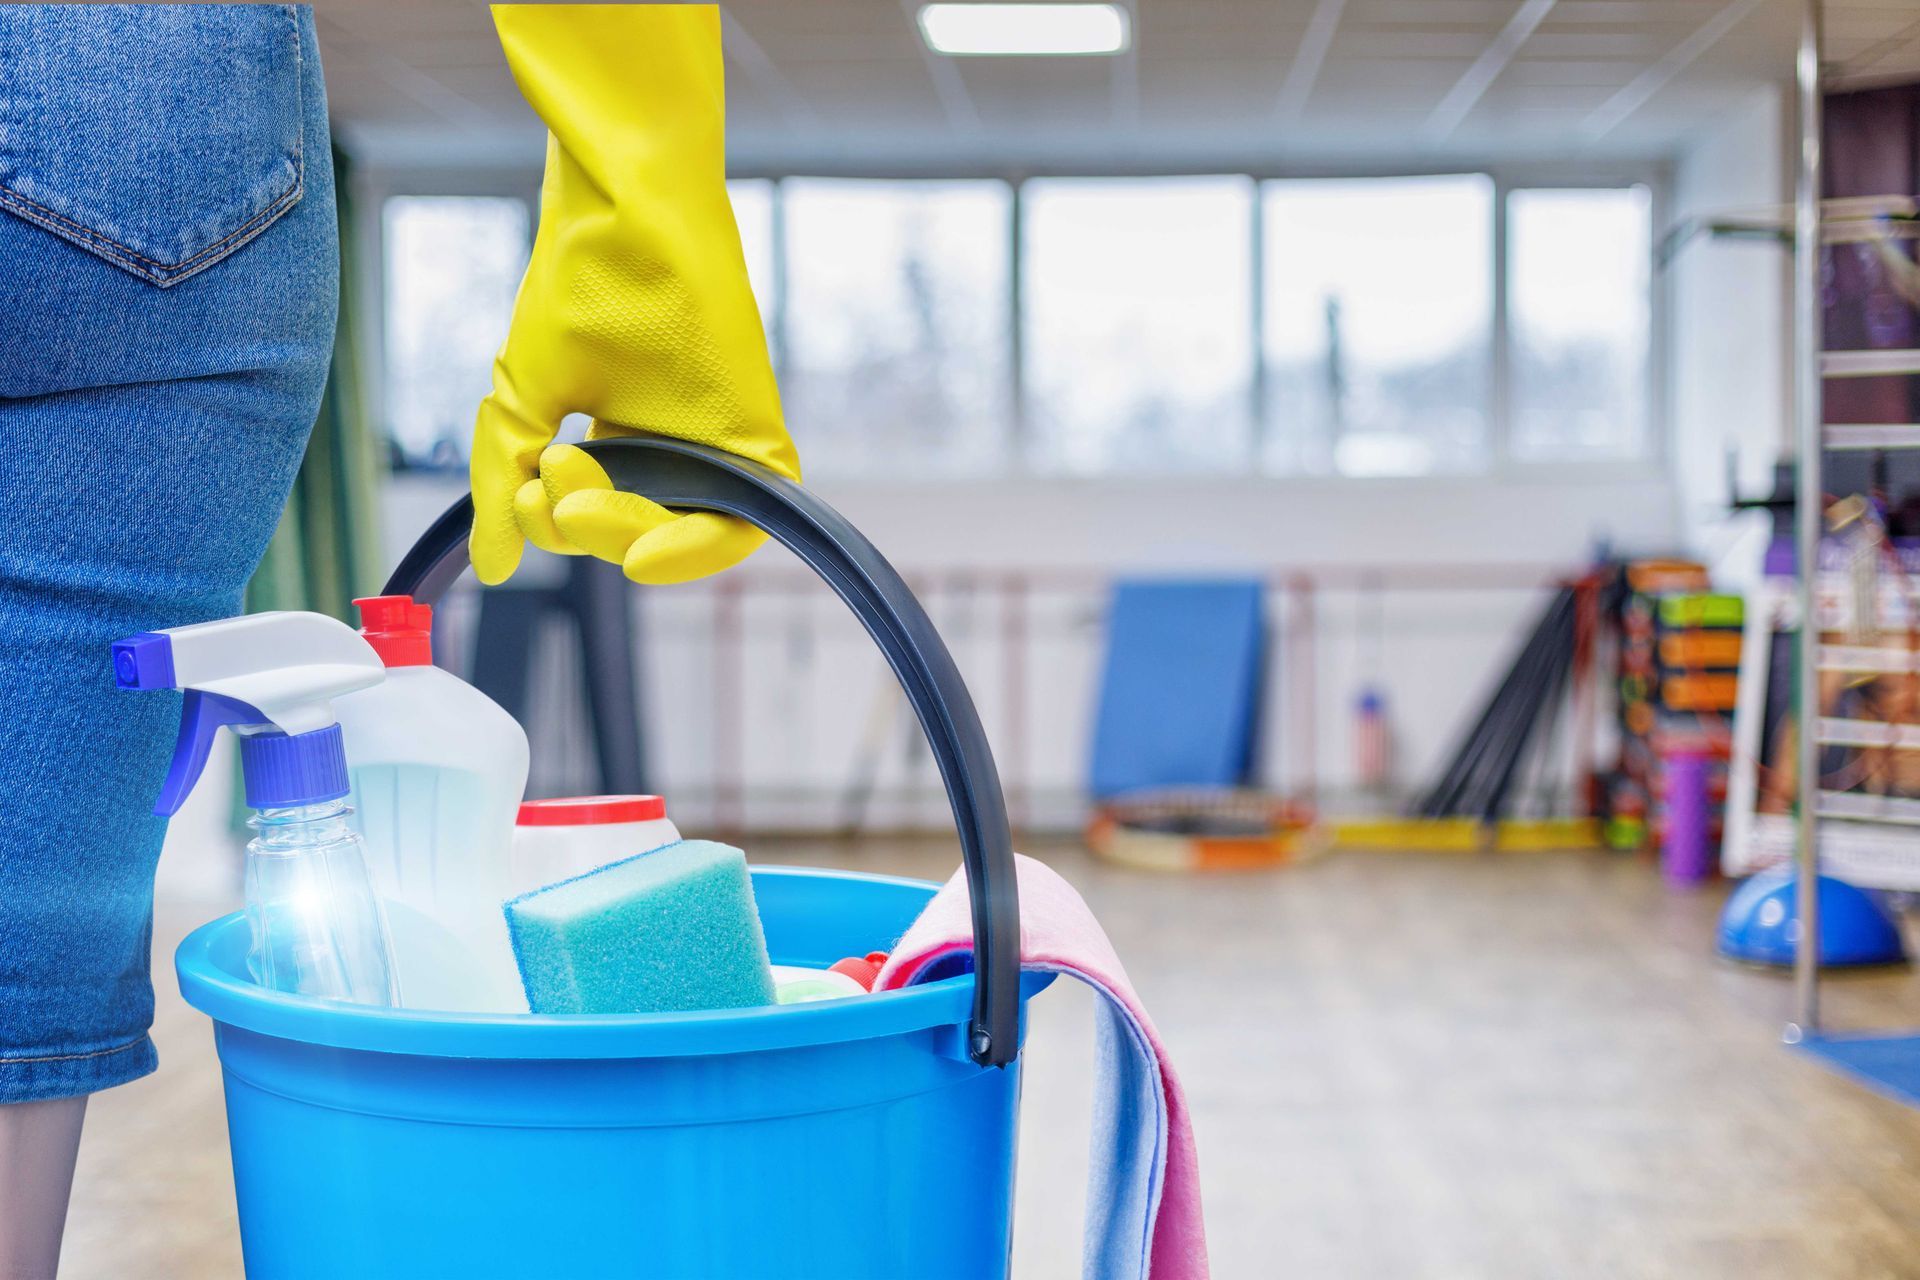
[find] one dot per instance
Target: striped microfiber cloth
(1143, 1207)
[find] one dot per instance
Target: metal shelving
(1852, 806)
(1879, 829)
(1868, 733)
(1809, 508)
(1890, 362)
(1869, 660)
(1872, 436)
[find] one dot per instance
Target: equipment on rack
(1478, 781)
(1678, 658)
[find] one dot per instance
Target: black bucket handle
(692, 477)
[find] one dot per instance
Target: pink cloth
(1143, 1198)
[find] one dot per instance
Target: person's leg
(167, 302)
(38, 1143)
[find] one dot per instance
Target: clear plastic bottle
(317, 925)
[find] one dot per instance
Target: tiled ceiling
(847, 83)
(1870, 42)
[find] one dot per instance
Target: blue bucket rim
(238, 1002)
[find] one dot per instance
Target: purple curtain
(1871, 147)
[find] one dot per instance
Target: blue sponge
(675, 929)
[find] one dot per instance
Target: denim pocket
(159, 137)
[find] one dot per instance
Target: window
(1577, 312)
(1139, 344)
(898, 310)
(453, 264)
(1213, 324)
(752, 200)
(1378, 324)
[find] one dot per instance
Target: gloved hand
(653, 544)
(635, 308)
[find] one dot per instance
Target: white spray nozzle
(255, 673)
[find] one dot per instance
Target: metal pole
(1014, 781)
(1810, 517)
(1309, 690)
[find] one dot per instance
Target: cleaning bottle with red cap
(438, 770)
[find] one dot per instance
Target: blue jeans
(169, 276)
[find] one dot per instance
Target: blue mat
(1889, 1064)
(1180, 696)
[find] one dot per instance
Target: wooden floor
(1400, 1066)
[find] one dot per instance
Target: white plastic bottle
(558, 839)
(438, 769)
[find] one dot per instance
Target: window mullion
(1257, 424)
(1019, 458)
(777, 232)
(1500, 398)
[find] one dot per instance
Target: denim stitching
(36, 212)
(77, 1057)
(299, 94)
(164, 273)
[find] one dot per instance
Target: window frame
(1011, 444)
(374, 186)
(1022, 442)
(1657, 389)
(371, 189)
(1497, 332)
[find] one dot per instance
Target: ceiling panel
(1425, 79)
(848, 84)
(1075, 93)
(1245, 41)
(1545, 97)
(1870, 42)
(1536, 70)
(1488, 15)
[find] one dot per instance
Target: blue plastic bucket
(870, 1137)
(845, 1139)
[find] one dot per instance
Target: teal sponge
(675, 929)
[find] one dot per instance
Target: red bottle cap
(861, 970)
(399, 629)
(591, 811)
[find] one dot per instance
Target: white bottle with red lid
(558, 839)
(438, 769)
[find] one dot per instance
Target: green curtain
(327, 548)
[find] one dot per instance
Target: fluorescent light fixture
(1024, 29)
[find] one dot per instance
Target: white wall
(1730, 336)
(813, 680)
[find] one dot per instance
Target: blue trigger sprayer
(271, 678)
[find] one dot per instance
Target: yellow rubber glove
(635, 308)
(653, 544)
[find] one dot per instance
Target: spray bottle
(317, 926)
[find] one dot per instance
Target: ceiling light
(1024, 29)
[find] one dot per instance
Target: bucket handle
(692, 477)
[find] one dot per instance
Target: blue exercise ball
(1761, 923)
